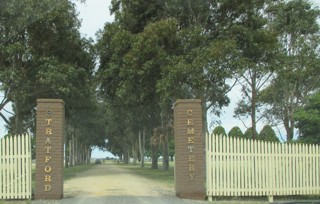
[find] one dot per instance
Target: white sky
(94, 14)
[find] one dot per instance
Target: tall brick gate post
(189, 149)
(49, 149)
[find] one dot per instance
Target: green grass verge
(158, 175)
(15, 201)
(71, 172)
(68, 172)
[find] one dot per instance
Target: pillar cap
(49, 100)
(186, 101)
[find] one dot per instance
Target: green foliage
(235, 132)
(308, 120)
(148, 60)
(134, 15)
(248, 134)
(257, 44)
(297, 77)
(72, 172)
(42, 55)
(267, 134)
(288, 18)
(219, 130)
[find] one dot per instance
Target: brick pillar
(189, 149)
(49, 149)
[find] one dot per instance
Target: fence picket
(15, 167)
(9, 185)
(242, 167)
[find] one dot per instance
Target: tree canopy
(235, 132)
(267, 134)
(296, 78)
(308, 120)
(219, 130)
(119, 92)
(42, 55)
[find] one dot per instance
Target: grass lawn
(166, 177)
(73, 171)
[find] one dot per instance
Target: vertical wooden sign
(49, 149)
(189, 149)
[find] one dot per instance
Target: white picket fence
(15, 167)
(243, 167)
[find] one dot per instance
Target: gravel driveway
(109, 183)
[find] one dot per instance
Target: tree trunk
(81, 153)
(2, 105)
(154, 155)
(141, 146)
(18, 118)
(89, 155)
(253, 105)
(205, 130)
(164, 143)
(66, 152)
(126, 155)
(165, 151)
(155, 142)
(76, 150)
(73, 150)
(134, 153)
(70, 152)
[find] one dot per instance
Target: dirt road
(109, 183)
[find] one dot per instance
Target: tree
(219, 130)
(184, 51)
(42, 55)
(235, 132)
(121, 84)
(248, 134)
(297, 76)
(267, 134)
(308, 120)
(171, 148)
(258, 44)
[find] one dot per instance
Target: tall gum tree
(42, 55)
(129, 87)
(185, 50)
(296, 76)
(257, 44)
(308, 120)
